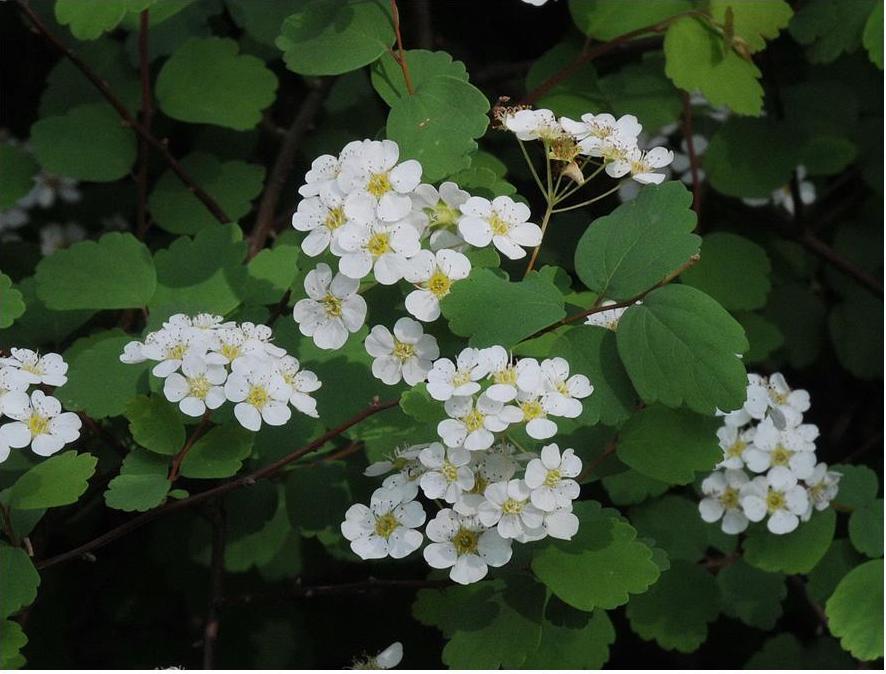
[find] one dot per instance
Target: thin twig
(824, 251)
(246, 480)
(147, 114)
(693, 157)
(535, 251)
(216, 580)
(127, 117)
(400, 55)
(264, 221)
(183, 452)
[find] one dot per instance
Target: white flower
(433, 276)
(49, 369)
(325, 169)
(562, 524)
(322, 216)
(777, 495)
(734, 443)
(406, 354)
(508, 509)
(198, 388)
(791, 404)
(4, 446)
(641, 165)
(462, 543)
(332, 310)
(533, 124)
(170, 346)
(11, 379)
(386, 527)
(259, 392)
(376, 185)
(502, 221)
(55, 236)
(784, 195)
(132, 353)
(300, 383)
(595, 134)
(607, 319)
(404, 460)
(563, 393)
(793, 448)
(550, 478)
(447, 379)
(377, 247)
(447, 474)
(439, 210)
(497, 464)
(387, 659)
(39, 420)
(821, 487)
(533, 410)
(472, 424)
(495, 361)
(722, 490)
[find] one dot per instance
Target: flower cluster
(386, 659)
(767, 437)
(37, 418)
(600, 137)
(372, 212)
(205, 360)
(495, 492)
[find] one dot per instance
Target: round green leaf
(858, 485)
(219, 453)
(18, 169)
(796, 552)
(57, 481)
(19, 580)
(751, 595)
(839, 560)
(11, 302)
(866, 529)
(673, 523)
(855, 611)
(572, 639)
(733, 270)
(753, 21)
(156, 424)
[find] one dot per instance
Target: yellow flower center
(563, 148)
(562, 388)
(532, 409)
(512, 506)
(552, 479)
(775, 500)
(498, 225)
(176, 351)
(379, 184)
(335, 218)
(640, 166)
(386, 525)
(230, 351)
(736, 449)
(439, 284)
(461, 378)
(403, 351)
(480, 484)
(778, 398)
(257, 397)
(450, 471)
(465, 541)
(378, 244)
(37, 424)
(781, 456)
(442, 215)
(474, 420)
(508, 375)
(332, 305)
(729, 499)
(32, 368)
(199, 387)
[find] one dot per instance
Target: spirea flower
(447, 474)
(502, 222)
(322, 217)
(722, 500)
(39, 422)
(608, 318)
(776, 496)
(387, 528)
(433, 276)
(332, 310)
(387, 659)
(447, 379)
(49, 369)
(464, 545)
(377, 247)
(509, 510)
(198, 387)
(550, 478)
(596, 134)
(472, 422)
(259, 392)
(406, 354)
(376, 185)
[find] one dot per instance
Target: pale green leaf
(751, 595)
(855, 611)
(56, 481)
(156, 424)
(219, 453)
(866, 529)
(11, 302)
(19, 580)
(733, 270)
(796, 552)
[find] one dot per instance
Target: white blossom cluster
(769, 469)
(386, 659)
(36, 419)
(601, 137)
(205, 361)
(371, 211)
(494, 492)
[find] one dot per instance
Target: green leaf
(98, 383)
(858, 485)
(18, 582)
(115, 272)
(481, 307)
(698, 58)
(57, 481)
(831, 27)
(669, 445)
(424, 65)
(733, 270)
(750, 157)
(796, 552)
(219, 453)
(753, 21)
(11, 302)
(866, 529)
(141, 485)
(873, 35)
(88, 19)
(156, 424)
(38, 325)
(205, 81)
(233, 185)
(855, 611)
(271, 274)
(763, 336)
(592, 351)
(673, 523)
(839, 560)
(12, 640)
(679, 347)
(331, 37)
(630, 250)
(630, 487)
(261, 21)
(601, 566)
(202, 274)
(86, 142)
(608, 19)
(784, 651)
(664, 613)
(572, 639)
(18, 169)
(751, 595)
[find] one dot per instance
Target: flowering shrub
(550, 297)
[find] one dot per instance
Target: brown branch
(246, 480)
(693, 157)
(147, 114)
(216, 581)
(183, 452)
(264, 221)
(829, 255)
(127, 117)
(597, 308)
(400, 54)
